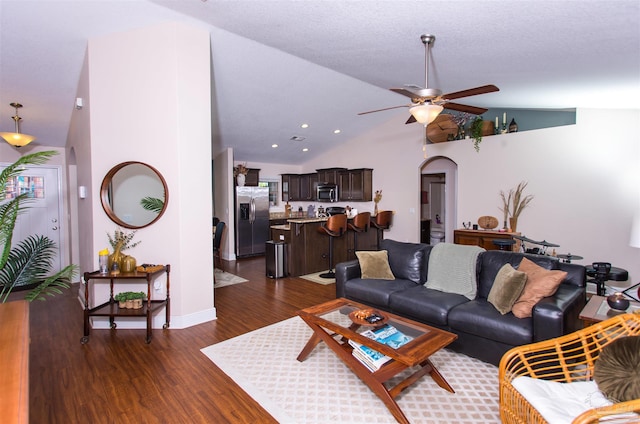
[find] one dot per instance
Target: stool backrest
(383, 219)
(337, 223)
(362, 221)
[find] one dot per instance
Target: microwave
(327, 192)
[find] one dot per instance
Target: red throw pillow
(541, 283)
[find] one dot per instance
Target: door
(43, 215)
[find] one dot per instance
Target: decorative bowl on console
(618, 302)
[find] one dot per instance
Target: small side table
(597, 310)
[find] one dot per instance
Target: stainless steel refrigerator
(252, 220)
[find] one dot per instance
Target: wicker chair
(565, 359)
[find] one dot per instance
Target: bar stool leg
(330, 273)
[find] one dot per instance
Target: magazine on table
(388, 335)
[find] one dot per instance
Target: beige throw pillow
(375, 265)
(507, 288)
(540, 283)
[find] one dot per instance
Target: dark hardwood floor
(118, 378)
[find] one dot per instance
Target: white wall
(150, 101)
(585, 179)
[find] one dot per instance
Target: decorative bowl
(364, 317)
(618, 302)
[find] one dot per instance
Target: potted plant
(136, 299)
(29, 262)
(476, 132)
(121, 298)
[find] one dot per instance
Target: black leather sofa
(483, 332)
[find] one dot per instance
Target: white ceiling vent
(297, 138)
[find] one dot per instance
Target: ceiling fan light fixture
(425, 113)
(17, 139)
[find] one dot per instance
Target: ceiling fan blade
(411, 120)
(380, 110)
(471, 92)
(464, 108)
(404, 92)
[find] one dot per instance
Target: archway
(439, 189)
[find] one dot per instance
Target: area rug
(317, 279)
(223, 279)
(323, 390)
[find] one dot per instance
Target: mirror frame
(104, 194)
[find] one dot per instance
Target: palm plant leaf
(9, 212)
(28, 262)
(16, 168)
(152, 204)
(51, 286)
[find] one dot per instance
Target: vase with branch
(376, 199)
(240, 172)
(514, 203)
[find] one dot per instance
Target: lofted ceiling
(278, 64)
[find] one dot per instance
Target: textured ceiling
(322, 62)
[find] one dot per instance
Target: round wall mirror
(134, 194)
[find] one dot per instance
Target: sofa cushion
(492, 260)
(540, 283)
(375, 264)
(506, 288)
(374, 292)
(425, 305)
(452, 269)
(480, 318)
(407, 260)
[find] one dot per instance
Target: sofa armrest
(558, 315)
(346, 271)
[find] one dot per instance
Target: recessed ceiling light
(274, 145)
(305, 149)
(304, 126)
(336, 131)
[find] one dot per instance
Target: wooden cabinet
(330, 175)
(356, 185)
(308, 185)
(484, 238)
(252, 178)
(290, 187)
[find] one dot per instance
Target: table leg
(358, 369)
(308, 348)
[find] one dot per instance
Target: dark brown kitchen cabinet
(252, 178)
(308, 185)
(290, 187)
(330, 175)
(356, 185)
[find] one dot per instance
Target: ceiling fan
(427, 103)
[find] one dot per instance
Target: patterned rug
(317, 279)
(223, 279)
(323, 390)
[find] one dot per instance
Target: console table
(485, 238)
(110, 308)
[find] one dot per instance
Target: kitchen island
(308, 251)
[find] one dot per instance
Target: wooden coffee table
(330, 323)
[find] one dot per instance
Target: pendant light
(17, 139)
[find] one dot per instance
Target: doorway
(438, 213)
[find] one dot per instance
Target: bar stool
(381, 222)
(360, 224)
(335, 226)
